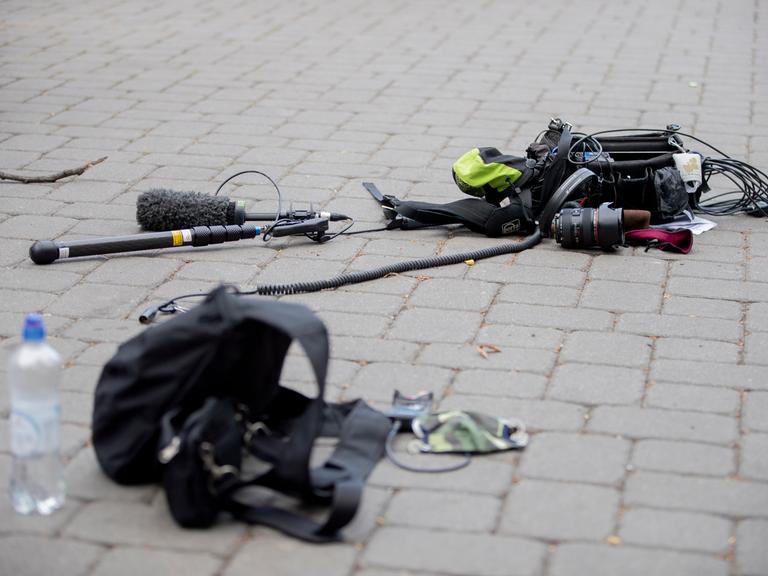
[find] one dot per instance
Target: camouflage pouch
(467, 432)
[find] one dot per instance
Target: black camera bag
(627, 170)
(189, 401)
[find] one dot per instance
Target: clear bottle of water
(34, 374)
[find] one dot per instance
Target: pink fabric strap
(678, 241)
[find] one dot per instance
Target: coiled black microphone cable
(171, 305)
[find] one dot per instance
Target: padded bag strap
(291, 471)
(474, 213)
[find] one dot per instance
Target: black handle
(48, 251)
(311, 226)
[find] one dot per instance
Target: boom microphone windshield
(162, 209)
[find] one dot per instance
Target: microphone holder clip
(313, 228)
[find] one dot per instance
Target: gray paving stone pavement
(642, 377)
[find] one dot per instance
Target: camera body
(601, 227)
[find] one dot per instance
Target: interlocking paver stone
(606, 348)
(31, 556)
(433, 325)
(621, 296)
(628, 269)
(578, 559)
(664, 424)
(679, 326)
(128, 561)
(443, 510)
(677, 530)
(700, 398)
(711, 374)
(596, 384)
(449, 295)
(560, 511)
(137, 524)
(453, 553)
(753, 450)
(500, 383)
(561, 457)
(290, 557)
(751, 553)
(716, 495)
(699, 350)
(684, 457)
(487, 355)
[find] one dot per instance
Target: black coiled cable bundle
(750, 196)
(397, 268)
(362, 276)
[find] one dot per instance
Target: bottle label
(35, 429)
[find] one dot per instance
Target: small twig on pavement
(51, 177)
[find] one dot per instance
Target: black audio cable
(171, 305)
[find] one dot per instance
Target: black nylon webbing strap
(292, 470)
(341, 479)
(361, 445)
(362, 432)
(346, 499)
(561, 195)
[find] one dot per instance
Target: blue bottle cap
(34, 329)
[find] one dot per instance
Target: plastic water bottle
(34, 374)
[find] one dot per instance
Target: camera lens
(589, 227)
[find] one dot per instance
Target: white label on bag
(689, 166)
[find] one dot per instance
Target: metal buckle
(209, 462)
(254, 428)
(672, 142)
(168, 453)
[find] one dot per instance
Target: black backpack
(196, 403)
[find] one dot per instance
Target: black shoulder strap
(362, 432)
(340, 480)
(295, 320)
(563, 193)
